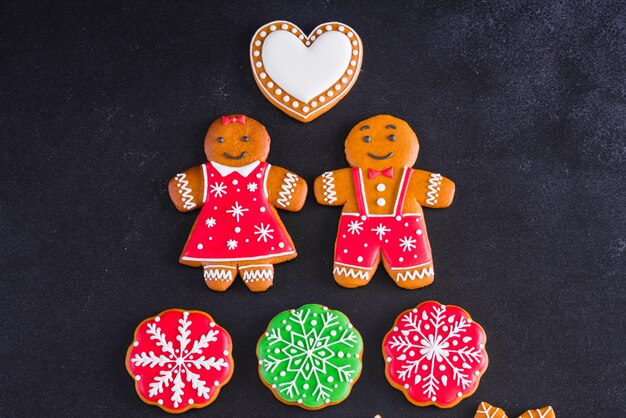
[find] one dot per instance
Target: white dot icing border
(333, 94)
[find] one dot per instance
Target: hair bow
(238, 119)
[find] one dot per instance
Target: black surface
(522, 105)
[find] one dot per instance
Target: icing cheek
(306, 72)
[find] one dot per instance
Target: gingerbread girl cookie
(382, 198)
(238, 229)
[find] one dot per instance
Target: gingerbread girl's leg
(219, 276)
(412, 278)
(257, 276)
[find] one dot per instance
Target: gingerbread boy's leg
(219, 276)
(257, 276)
(411, 278)
(352, 276)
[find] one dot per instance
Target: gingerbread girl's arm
(285, 190)
(187, 189)
(431, 189)
(334, 187)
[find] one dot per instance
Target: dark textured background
(521, 104)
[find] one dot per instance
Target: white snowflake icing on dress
(355, 227)
(237, 210)
(210, 222)
(408, 243)
(264, 232)
(218, 189)
(231, 244)
(181, 361)
(307, 352)
(381, 230)
(252, 187)
(431, 335)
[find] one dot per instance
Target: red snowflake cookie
(435, 354)
(180, 360)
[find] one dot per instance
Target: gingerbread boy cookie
(488, 411)
(382, 198)
(238, 229)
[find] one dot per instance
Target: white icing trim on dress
(205, 175)
(350, 272)
(288, 186)
(185, 191)
(260, 257)
(433, 187)
(257, 275)
(244, 170)
(415, 274)
(328, 182)
(213, 274)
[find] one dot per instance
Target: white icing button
(262, 209)
(319, 31)
(345, 251)
(337, 86)
(330, 94)
(270, 84)
(328, 27)
(314, 104)
(322, 99)
(349, 72)
(281, 245)
(401, 259)
(363, 217)
(295, 104)
(257, 53)
(352, 63)
(380, 201)
(200, 246)
(237, 229)
(263, 34)
(278, 91)
(284, 26)
(305, 109)
(398, 218)
(262, 75)
(350, 34)
(273, 27)
(257, 43)
(355, 52)
(286, 98)
(344, 79)
(235, 181)
(259, 64)
(380, 187)
(359, 259)
(419, 232)
(307, 43)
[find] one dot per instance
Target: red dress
(237, 222)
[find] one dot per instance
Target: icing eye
(220, 140)
(392, 138)
(367, 138)
(245, 138)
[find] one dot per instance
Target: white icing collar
(244, 170)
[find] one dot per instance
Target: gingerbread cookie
(305, 76)
(180, 360)
(488, 411)
(238, 229)
(382, 198)
(435, 354)
(310, 356)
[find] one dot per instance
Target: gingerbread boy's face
(380, 142)
(236, 140)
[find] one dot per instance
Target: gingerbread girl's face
(236, 140)
(380, 142)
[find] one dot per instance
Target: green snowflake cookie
(310, 356)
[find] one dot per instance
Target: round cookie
(435, 354)
(180, 360)
(310, 356)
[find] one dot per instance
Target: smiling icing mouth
(239, 157)
(377, 157)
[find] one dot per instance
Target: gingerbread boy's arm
(334, 187)
(285, 190)
(187, 189)
(431, 189)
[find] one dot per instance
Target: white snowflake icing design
(180, 360)
(264, 232)
(252, 187)
(307, 352)
(210, 222)
(355, 227)
(381, 230)
(237, 210)
(218, 189)
(231, 244)
(435, 350)
(407, 243)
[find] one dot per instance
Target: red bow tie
(372, 174)
(226, 120)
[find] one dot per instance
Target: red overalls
(400, 236)
(236, 222)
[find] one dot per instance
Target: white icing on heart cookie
(305, 76)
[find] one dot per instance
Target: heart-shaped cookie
(305, 76)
